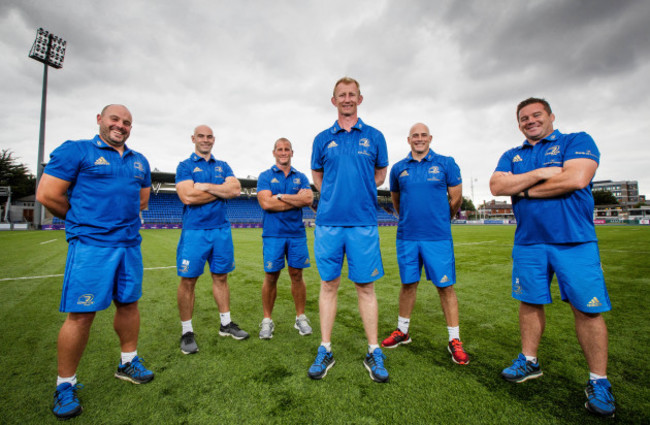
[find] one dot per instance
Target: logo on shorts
(516, 287)
(444, 279)
(404, 173)
(594, 303)
(307, 261)
(332, 144)
(364, 142)
(185, 266)
(517, 158)
(269, 264)
(102, 161)
(274, 180)
(86, 299)
(375, 273)
(197, 170)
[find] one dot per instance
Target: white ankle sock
(72, 380)
(127, 357)
(187, 326)
(327, 345)
(454, 332)
(403, 324)
(225, 318)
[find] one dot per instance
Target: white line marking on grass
(52, 240)
(474, 243)
(60, 275)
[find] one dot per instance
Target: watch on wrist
(279, 196)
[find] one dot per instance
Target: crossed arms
(546, 182)
(192, 193)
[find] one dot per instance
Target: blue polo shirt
(564, 219)
(424, 205)
(348, 160)
(104, 192)
(213, 214)
(284, 224)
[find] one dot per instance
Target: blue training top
(285, 224)
(564, 219)
(422, 186)
(213, 214)
(348, 161)
(104, 192)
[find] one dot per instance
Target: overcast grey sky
(259, 70)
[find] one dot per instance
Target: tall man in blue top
(282, 192)
(426, 189)
(98, 187)
(549, 179)
(203, 184)
(348, 163)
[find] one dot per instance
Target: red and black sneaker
(458, 354)
(396, 338)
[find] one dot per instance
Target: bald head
(419, 139)
(115, 125)
(203, 140)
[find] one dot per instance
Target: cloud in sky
(256, 71)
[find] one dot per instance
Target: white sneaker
(267, 326)
(302, 324)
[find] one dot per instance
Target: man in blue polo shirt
(98, 187)
(426, 189)
(549, 179)
(203, 184)
(282, 192)
(348, 163)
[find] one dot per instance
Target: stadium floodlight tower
(49, 50)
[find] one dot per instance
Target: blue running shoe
(324, 361)
(66, 402)
(134, 371)
(600, 399)
(521, 370)
(374, 362)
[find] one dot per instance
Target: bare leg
(532, 321)
(327, 307)
(269, 292)
(298, 290)
(368, 310)
(185, 297)
(592, 335)
(449, 304)
(127, 325)
(72, 341)
(407, 296)
(221, 291)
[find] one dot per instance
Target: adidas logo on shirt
(197, 170)
(274, 180)
(404, 173)
(332, 144)
(517, 158)
(102, 161)
(594, 303)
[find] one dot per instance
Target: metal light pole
(49, 50)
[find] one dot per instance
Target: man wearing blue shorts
(282, 192)
(203, 184)
(348, 163)
(426, 189)
(98, 187)
(549, 179)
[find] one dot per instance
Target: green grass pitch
(265, 382)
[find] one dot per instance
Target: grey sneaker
(188, 343)
(231, 329)
(267, 326)
(302, 324)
